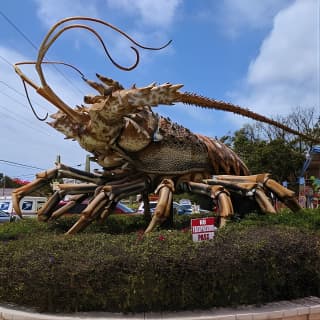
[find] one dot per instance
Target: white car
(153, 205)
(185, 207)
(6, 217)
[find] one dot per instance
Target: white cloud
(23, 138)
(50, 11)
(130, 16)
(239, 15)
(285, 74)
(150, 12)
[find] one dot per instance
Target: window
(26, 205)
(40, 204)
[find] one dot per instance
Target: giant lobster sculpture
(140, 151)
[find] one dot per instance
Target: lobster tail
(222, 158)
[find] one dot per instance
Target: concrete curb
(301, 309)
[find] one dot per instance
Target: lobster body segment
(143, 136)
(142, 152)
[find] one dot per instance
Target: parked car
(176, 207)
(6, 217)
(152, 205)
(185, 207)
(204, 211)
(28, 205)
(122, 208)
(79, 207)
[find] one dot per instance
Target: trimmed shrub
(251, 262)
(304, 219)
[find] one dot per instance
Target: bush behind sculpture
(253, 262)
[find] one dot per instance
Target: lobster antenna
(53, 62)
(204, 102)
(82, 26)
(51, 38)
(30, 104)
(24, 80)
(44, 89)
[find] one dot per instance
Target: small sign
(202, 229)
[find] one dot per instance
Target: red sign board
(202, 229)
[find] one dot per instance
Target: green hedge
(252, 262)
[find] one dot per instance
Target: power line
(6, 61)
(18, 30)
(18, 117)
(26, 175)
(23, 121)
(36, 48)
(17, 164)
(16, 91)
(13, 89)
(18, 101)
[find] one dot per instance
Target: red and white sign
(202, 229)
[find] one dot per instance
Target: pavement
(301, 309)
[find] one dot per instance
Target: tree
(281, 160)
(277, 156)
(8, 182)
(304, 120)
(248, 147)
(266, 148)
(12, 183)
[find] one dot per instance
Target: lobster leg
(72, 202)
(247, 186)
(81, 191)
(285, 195)
(42, 179)
(224, 203)
(162, 211)
(45, 177)
(106, 199)
(46, 210)
(261, 182)
(91, 212)
(218, 193)
(263, 201)
(221, 194)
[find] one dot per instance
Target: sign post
(202, 229)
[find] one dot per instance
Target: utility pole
(3, 178)
(87, 167)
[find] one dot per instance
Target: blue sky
(262, 55)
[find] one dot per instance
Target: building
(309, 190)
(6, 191)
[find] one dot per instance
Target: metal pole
(4, 184)
(87, 167)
